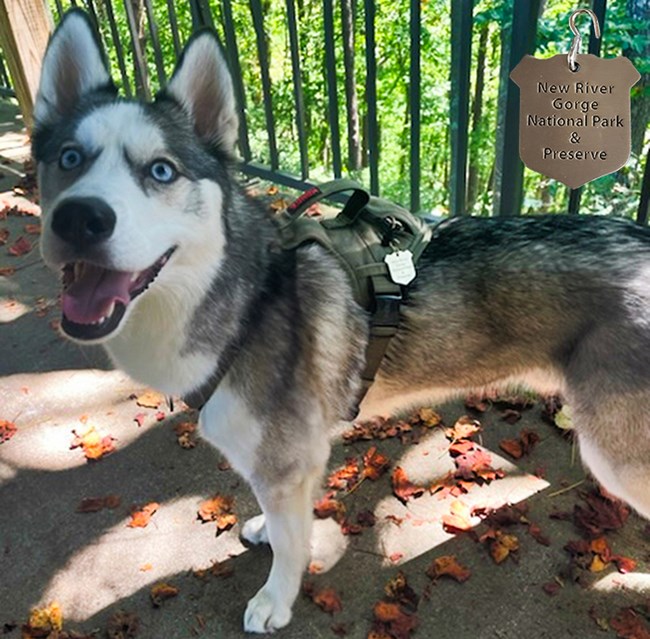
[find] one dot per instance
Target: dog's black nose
(83, 221)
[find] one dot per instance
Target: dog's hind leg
(288, 524)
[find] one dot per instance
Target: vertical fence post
(598, 7)
(332, 97)
(509, 170)
(461, 58)
(644, 197)
(24, 31)
(414, 103)
(371, 96)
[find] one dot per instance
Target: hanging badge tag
(575, 112)
(400, 267)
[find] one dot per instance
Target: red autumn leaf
(160, 416)
(403, 488)
(448, 566)
(327, 599)
(461, 447)
(21, 246)
(513, 447)
(327, 506)
(219, 509)
(374, 464)
(161, 592)
(600, 514)
(95, 504)
(7, 430)
(139, 418)
(477, 464)
(624, 564)
(141, 518)
(345, 477)
(393, 621)
(629, 625)
(33, 229)
(7, 271)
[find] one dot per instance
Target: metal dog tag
(400, 267)
(575, 113)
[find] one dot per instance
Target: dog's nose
(83, 221)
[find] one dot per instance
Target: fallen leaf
(536, 533)
(629, 625)
(7, 271)
(186, 434)
(600, 514)
(464, 428)
(327, 599)
(551, 588)
(503, 546)
(458, 520)
(327, 506)
(123, 625)
(21, 246)
(95, 504)
(397, 589)
(161, 592)
(221, 569)
(510, 415)
(374, 464)
(7, 430)
(4, 236)
(624, 564)
(33, 229)
(563, 418)
(448, 566)
(94, 446)
(403, 488)
(218, 509)
(366, 518)
(43, 622)
(141, 518)
(393, 621)
(513, 447)
(346, 477)
(150, 399)
(146, 567)
(478, 403)
(428, 417)
(139, 418)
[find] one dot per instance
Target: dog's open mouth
(95, 299)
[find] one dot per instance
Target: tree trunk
(639, 12)
(352, 102)
(477, 112)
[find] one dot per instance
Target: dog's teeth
(111, 308)
(134, 277)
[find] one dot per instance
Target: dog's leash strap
(353, 207)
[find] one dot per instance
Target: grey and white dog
(170, 266)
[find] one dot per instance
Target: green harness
(377, 242)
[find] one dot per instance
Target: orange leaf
(513, 447)
(374, 464)
(141, 518)
(43, 622)
(448, 566)
(328, 600)
(329, 507)
(7, 430)
(345, 477)
(150, 399)
(161, 592)
(218, 509)
(459, 518)
(465, 427)
(502, 546)
(93, 444)
(403, 488)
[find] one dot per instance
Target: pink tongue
(88, 299)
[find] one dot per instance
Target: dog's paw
(264, 614)
(254, 531)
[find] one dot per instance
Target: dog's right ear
(72, 68)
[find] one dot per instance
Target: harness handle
(350, 212)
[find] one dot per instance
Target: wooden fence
(144, 45)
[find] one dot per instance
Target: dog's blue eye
(70, 159)
(162, 171)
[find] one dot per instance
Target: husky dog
(170, 266)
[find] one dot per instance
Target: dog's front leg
(288, 522)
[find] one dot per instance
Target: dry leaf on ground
(150, 399)
(327, 599)
(123, 625)
(95, 504)
(220, 510)
(7, 430)
(94, 446)
(448, 566)
(141, 518)
(21, 246)
(403, 488)
(161, 592)
(43, 622)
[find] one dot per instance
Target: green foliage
(616, 194)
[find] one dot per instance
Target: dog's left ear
(202, 85)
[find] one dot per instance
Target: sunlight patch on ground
(421, 528)
(632, 581)
(328, 544)
(125, 560)
(11, 310)
(47, 407)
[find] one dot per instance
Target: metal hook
(577, 40)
